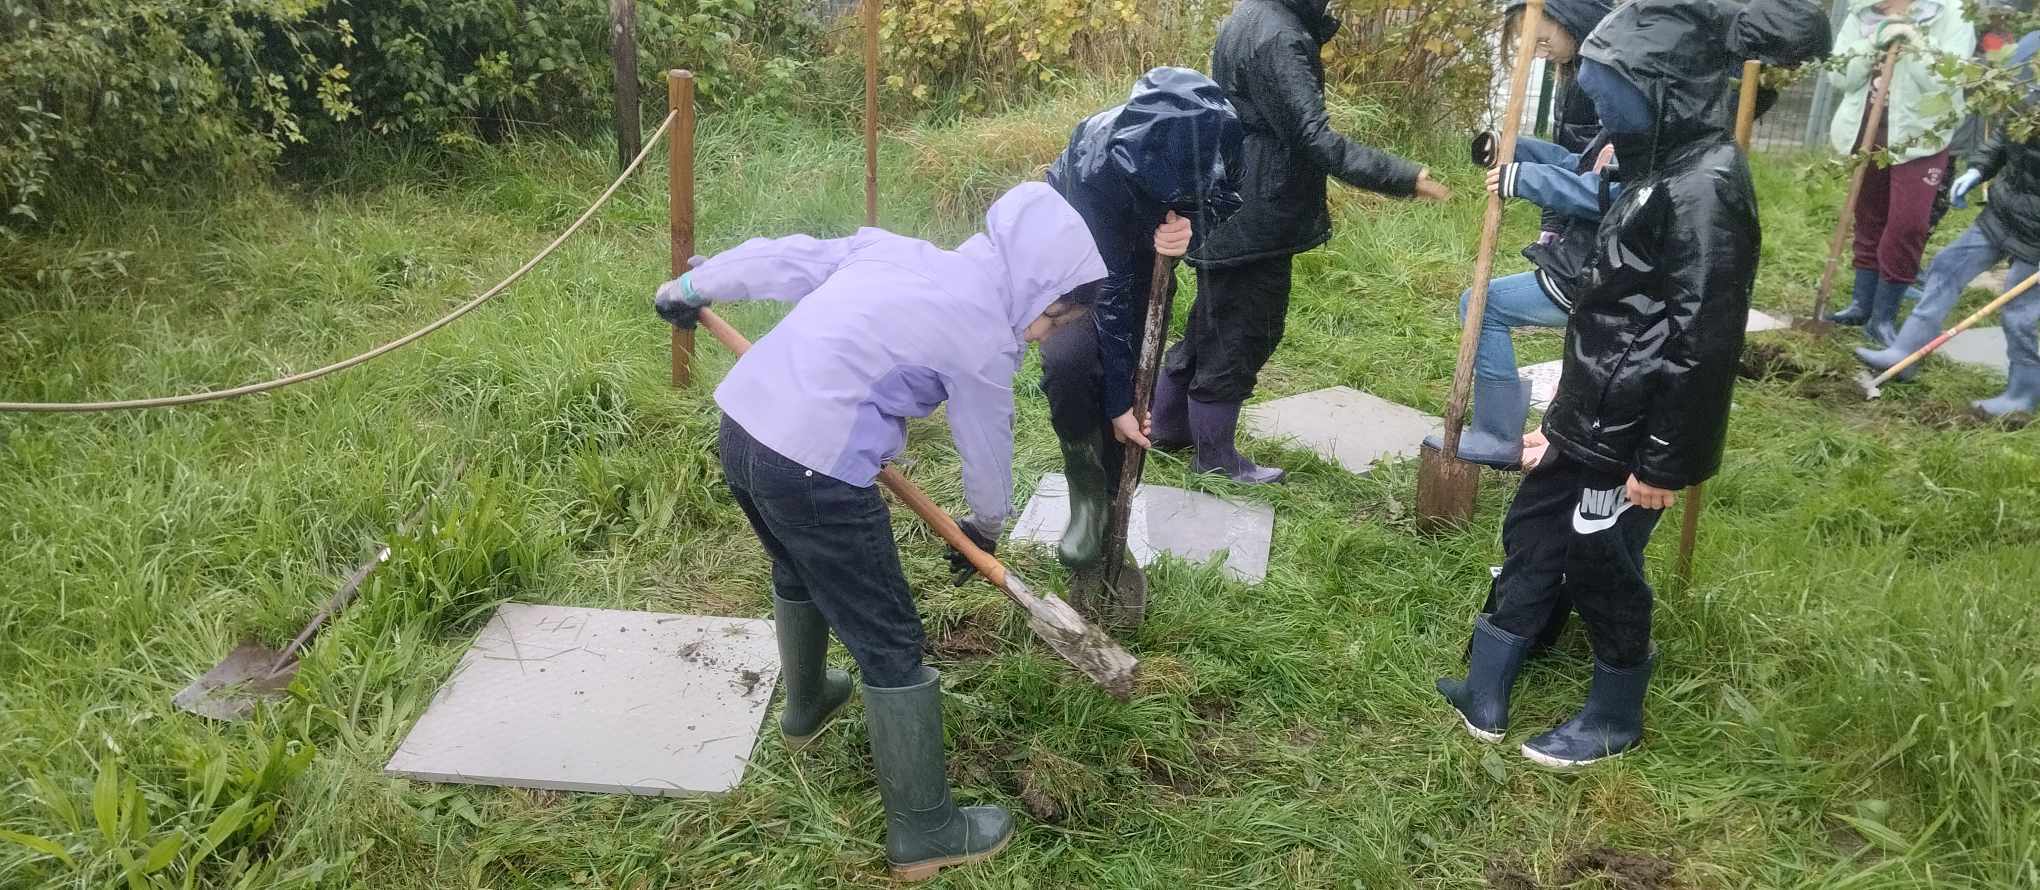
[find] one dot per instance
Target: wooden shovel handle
(910, 494)
(1921, 353)
(1491, 230)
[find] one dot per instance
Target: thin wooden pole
(870, 10)
(630, 134)
(1696, 496)
(680, 201)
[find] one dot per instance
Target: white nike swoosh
(1587, 525)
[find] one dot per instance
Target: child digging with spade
(1651, 358)
(883, 328)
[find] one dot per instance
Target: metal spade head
(229, 692)
(1869, 384)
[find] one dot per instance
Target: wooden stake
(1130, 614)
(1840, 239)
(630, 135)
(680, 202)
(1696, 496)
(1446, 485)
(870, 10)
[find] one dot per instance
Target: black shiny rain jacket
(1267, 59)
(1657, 327)
(1170, 147)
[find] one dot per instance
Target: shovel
(1059, 625)
(255, 673)
(1818, 322)
(1446, 485)
(1872, 386)
(1126, 596)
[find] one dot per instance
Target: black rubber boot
(1495, 437)
(1083, 540)
(2021, 394)
(1860, 300)
(1169, 414)
(1610, 724)
(1482, 699)
(1914, 334)
(815, 693)
(1215, 425)
(925, 831)
(1883, 325)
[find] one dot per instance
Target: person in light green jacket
(1893, 216)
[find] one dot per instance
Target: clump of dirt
(970, 638)
(1765, 360)
(1831, 388)
(1213, 708)
(1504, 875)
(1034, 795)
(1161, 773)
(1627, 871)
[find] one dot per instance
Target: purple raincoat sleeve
(784, 269)
(981, 423)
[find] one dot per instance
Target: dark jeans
(831, 543)
(1571, 532)
(1234, 327)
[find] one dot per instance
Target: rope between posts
(386, 348)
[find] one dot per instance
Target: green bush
(124, 92)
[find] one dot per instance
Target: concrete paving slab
(599, 700)
(1982, 347)
(1344, 425)
(1188, 525)
(1759, 321)
(1543, 382)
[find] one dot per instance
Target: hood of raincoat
(1781, 33)
(1177, 140)
(1675, 54)
(1036, 245)
(1578, 17)
(1317, 18)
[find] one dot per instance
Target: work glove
(1895, 30)
(1958, 194)
(1483, 148)
(960, 568)
(678, 303)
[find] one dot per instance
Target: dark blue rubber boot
(1883, 326)
(1482, 699)
(2021, 395)
(1495, 437)
(1916, 332)
(1610, 724)
(1860, 300)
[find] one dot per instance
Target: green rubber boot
(1083, 540)
(925, 831)
(815, 694)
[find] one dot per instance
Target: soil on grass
(1035, 796)
(1624, 870)
(1502, 874)
(1765, 360)
(970, 638)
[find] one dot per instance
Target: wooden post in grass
(870, 11)
(630, 134)
(680, 201)
(1696, 496)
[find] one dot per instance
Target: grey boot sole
(1559, 763)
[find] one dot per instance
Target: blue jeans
(831, 543)
(1513, 301)
(1959, 263)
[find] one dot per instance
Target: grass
(1845, 700)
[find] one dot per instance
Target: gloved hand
(1896, 30)
(959, 565)
(1483, 148)
(678, 303)
(1958, 194)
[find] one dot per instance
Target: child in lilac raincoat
(883, 328)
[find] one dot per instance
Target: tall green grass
(1846, 697)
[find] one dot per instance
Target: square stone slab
(1543, 382)
(570, 699)
(1188, 525)
(1982, 347)
(1345, 425)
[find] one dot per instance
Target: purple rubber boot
(1213, 425)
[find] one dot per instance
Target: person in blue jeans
(1567, 185)
(2009, 226)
